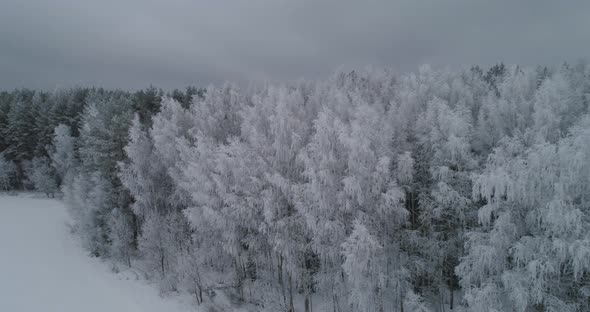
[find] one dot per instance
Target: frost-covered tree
(63, 156)
(324, 164)
(362, 251)
(349, 176)
(446, 209)
(7, 173)
(550, 105)
(367, 191)
(532, 247)
(191, 266)
(88, 198)
(97, 190)
(507, 113)
(164, 240)
(41, 175)
(276, 128)
(144, 174)
(415, 303)
(121, 236)
(217, 114)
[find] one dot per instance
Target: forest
(462, 189)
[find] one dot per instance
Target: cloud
(174, 43)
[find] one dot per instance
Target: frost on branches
(437, 190)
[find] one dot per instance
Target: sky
(132, 44)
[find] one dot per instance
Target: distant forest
(437, 190)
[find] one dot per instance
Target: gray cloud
(174, 43)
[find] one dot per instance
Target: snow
(43, 268)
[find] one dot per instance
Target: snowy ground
(42, 268)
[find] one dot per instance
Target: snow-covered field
(43, 268)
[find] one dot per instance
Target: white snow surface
(43, 268)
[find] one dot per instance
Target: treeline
(29, 120)
(465, 190)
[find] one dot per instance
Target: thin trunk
(334, 302)
(271, 264)
(381, 304)
(280, 275)
(401, 301)
(413, 209)
(307, 302)
(239, 276)
(291, 306)
(197, 296)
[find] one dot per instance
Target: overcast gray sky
(174, 43)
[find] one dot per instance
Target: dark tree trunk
(452, 299)
(291, 306)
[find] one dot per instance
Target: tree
(121, 236)
(372, 191)
(63, 157)
(19, 132)
(145, 175)
(532, 244)
(7, 173)
(218, 113)
(97, 190)
(361, 251)
(42, 176)
(190, 268)
(88, 200)
(163, 241)
(146, 103)
(275, 128)
(446, 208)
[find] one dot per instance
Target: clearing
(43, 268)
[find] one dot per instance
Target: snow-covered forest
(438, 190)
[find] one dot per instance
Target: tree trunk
(280, 276)
(307, 302)
(452, 299)
(239, 276)
(401, 302)
(334, 302)
(291, 306)
(197, 296)
(413, 210)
